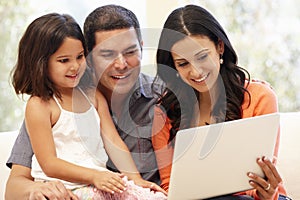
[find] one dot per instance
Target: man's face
(116, 59)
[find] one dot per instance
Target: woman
(204, 86)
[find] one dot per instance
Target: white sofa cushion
(7, 140)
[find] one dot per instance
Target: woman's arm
(20, 185)
(264, 101)
(38, 118)
(163, 151)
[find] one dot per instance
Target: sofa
(289, 153)
(7, 140)
(288, 160)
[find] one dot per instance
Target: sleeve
(163, 151)
(22, 152)
(263, 100)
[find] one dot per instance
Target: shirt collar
(143, 87)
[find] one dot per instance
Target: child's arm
(116, 148)
(39, 116)
(114, 145)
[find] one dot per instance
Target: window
(265, 35)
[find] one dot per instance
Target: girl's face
(67, 65)
(197, 60)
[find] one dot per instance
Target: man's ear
(220, 46)
(89, 60)
(141, 44)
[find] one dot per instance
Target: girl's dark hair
(179, 99)
(42, 38)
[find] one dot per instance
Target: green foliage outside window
(265, 35)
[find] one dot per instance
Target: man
(115, 55)
(114, 43)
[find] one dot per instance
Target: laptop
(213, 160)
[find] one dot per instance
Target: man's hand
(53, 190)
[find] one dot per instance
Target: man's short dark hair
(107, 18)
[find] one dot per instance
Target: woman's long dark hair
(179, 99)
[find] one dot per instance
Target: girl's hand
(266, 188)
(109, 181)
(147, 184)
(51, 190)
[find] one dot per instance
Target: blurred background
(265, 34)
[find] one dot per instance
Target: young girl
(62, 116)
(204, 86)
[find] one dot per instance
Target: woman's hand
(51, 190)
(147, 184)
(109, 181)
(266, 188)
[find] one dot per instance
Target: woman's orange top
(263, 101)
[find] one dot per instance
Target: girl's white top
(77, 140)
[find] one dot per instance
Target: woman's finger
(273, 169)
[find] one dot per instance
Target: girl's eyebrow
(81, 52)
(63, 56)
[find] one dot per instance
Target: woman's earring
(221, 59)
(177, 75)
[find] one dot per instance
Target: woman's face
(197, 60)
